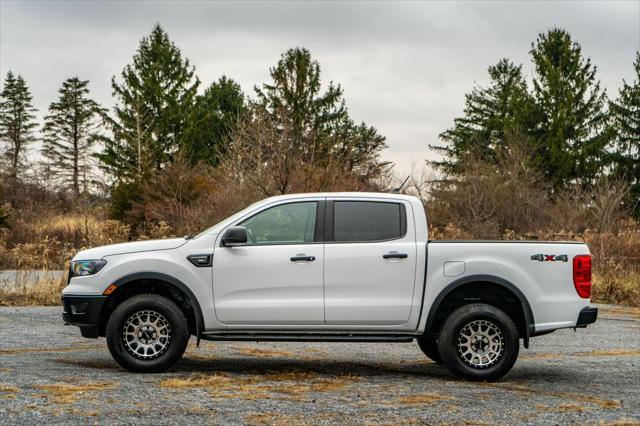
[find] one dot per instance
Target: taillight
(582, 275)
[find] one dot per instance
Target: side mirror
(235, 236)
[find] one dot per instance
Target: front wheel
(147, 333)
(479, 342)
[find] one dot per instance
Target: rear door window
(361, 221)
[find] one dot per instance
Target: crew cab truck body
(329, 267)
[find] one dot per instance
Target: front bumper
(84, 312)
(587, 316)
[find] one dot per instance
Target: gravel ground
(49, 374)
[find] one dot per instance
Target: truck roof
(385, 195)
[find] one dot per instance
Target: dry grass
(74, 348)
(45, 292)
(622, 422)
(48, 241)
(67, 393)
(8, 388)
(567, 407)
(264, 353)
(293, 385)
(617, 284)
(620, 312)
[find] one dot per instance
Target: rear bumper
(84, 312)
(587, 316)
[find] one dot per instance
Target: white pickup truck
(336, 267)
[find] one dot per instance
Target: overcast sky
(404, 66)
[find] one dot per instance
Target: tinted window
(366, 221)
(283, 224)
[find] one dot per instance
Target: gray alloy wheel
(146, 334)
(480, 343)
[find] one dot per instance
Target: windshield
(225, 222)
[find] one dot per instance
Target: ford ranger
(330, 267)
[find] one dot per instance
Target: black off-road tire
(462, 359)
(170, 330)
(429, 346)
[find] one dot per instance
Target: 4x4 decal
(550, 257)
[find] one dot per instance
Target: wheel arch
(474, 282)
(154, 282)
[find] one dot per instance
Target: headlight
(81, 268)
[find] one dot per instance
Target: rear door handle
(395, 256)
(303, 258)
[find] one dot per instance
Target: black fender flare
(526, 308)
(195, 305)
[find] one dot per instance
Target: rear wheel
(429, 346)
(479, 342)
(147, 333)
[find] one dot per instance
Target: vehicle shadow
(316, 366)
(321, 366)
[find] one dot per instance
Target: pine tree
(154, 100)
(490, 113)
(626, 118)
(17, 122)
(573, 128)
(70, 131)
(316, 121)
(295, 95)
(214, 117)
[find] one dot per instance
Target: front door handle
(303, 258)
(395, 256)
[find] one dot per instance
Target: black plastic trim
(201, 260)
(318, 235)
(424, 284)
(395, 256)
(88, 319)
(526, 308)
(308, 337)
(172, 281)
(587, 316)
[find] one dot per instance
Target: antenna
(398, 189)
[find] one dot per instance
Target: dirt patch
(521, 388)
(595, 353)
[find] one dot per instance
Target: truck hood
(133, 247)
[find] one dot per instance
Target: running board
(308, 337)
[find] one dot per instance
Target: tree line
(574, 134)
(160, 118)
(295, 133)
